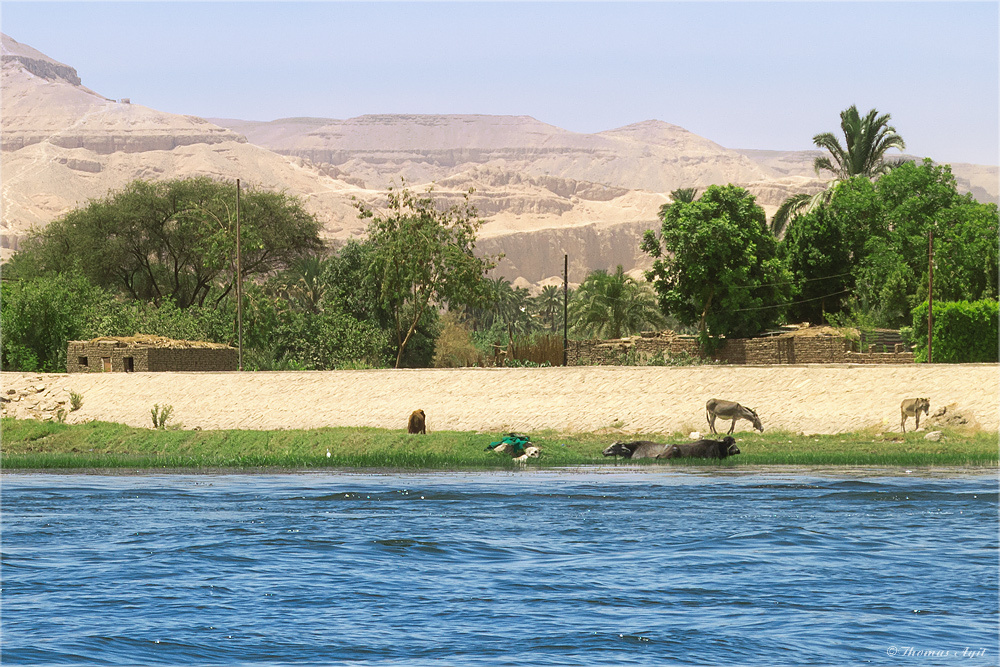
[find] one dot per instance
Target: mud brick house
(148, 353)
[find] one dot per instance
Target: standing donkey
(911, 407)
(717, 408)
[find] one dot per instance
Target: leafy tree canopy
(716, 265)
(172, 240)
(878, 233)
(425, 258)
(867, 140)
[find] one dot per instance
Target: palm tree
(680, 195)
(612, 306)
(506, 305)
(302, 285)
(868, 139)
(548, 304)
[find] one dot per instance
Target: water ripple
(622, 568)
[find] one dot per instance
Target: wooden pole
(239, 280)
(930, 293)
(565, 309)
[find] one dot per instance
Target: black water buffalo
(639, 449)
(702, 449)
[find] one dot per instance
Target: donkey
(911, 407)
(716, 408)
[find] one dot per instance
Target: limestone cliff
(542, 191)
(44, 101)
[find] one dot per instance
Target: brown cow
(417, 422)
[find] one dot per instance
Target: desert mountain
(64, 144)
(652, 155)
(542, 191)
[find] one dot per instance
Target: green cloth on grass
(516, 440)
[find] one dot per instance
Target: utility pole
(930, 292)
(565, 309)
(239, 280)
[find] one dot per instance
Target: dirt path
(808, 398)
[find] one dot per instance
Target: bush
(323, 341)
(454, 347)
(161, 415)
(39, 316)
(964, 332)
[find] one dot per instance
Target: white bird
(328, 453)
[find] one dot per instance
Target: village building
(127, 354)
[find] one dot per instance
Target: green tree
(613, 305)
(819, 259)
(351, 283)
(878, 232)
(964, 332)
(549, 306)
(39, 316)
(325, 341)
(172, 240)
(426, 258)
(912, 201)
(716, 264)
(682, 195)
(823, 249)
(867, 140)
(505, 307)
(302, 283)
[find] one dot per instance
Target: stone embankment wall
(754, 351)
(613, 400)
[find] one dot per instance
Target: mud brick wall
(615, 352)
(750, 351)
(193, 359)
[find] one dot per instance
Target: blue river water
(606, 566)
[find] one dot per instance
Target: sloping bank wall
(808, 398)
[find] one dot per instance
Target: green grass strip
(35, 445)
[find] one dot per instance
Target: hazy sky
(743, 74)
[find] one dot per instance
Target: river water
(616, 566)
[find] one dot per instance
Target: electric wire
(792, 303)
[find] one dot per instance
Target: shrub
(454, 347)
(964, 332)
(161, 415)
(75, 401)
(39, 316)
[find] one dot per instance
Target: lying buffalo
(702, 449)
(639, 449)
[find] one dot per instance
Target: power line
(792, 303)
(795, 282)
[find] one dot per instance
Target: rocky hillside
(542, 191)
(64, 144)
(652, 155)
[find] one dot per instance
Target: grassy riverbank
(29, 444)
